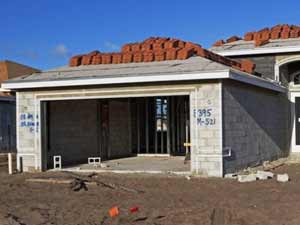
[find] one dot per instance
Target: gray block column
(206, 130)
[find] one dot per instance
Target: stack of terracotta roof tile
(263, 36)
(157, 49)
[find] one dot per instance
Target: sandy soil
(160, 199)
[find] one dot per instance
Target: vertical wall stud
(147, 124)
(161, 125)
(138, 126)
(168, 125)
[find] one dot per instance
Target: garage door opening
(123, 132)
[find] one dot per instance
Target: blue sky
(44, 33)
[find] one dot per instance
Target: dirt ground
(160, 200)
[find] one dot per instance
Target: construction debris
(283, 177)
(89, 180)
(264, 175)
(50, 180)
(134, 209)
(188, 177)
(267, 165)
(231, 176)
(246, 178)
(14, 220)
(114, 211)
(78, 184)
(140, 219)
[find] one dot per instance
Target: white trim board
(257, 81)
(225, 74)
(282, 62)
(294, 148)
(116, 80)
(259, 51)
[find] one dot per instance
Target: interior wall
(119, 128)
(72, 130)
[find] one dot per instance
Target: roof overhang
(259, 51)
(223, 74)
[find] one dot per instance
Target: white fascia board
(4, 90)
(259, 51)
(117, 80)
(224, 74)
(257, 81)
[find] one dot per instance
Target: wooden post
(186, 125)
(138, 127)
(168, 125)
(155, 119)
(161, 125)
(147, 124)
(173, 123)
(10, 169)
(178, 113)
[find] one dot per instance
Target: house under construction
(204, 111)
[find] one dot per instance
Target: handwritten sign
(204, 117)
(27, 120)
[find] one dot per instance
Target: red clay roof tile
(158, 49)
(261, 37)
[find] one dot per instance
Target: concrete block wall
(205, 103)
(120, 128)
(28, 128)
(73, 131)
(264, 64)
(206, 134)
(255, 125)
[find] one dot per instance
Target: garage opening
(117, 129)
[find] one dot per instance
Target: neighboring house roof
(242, 47)
(194, 68)
(278, 39)
(9, 70)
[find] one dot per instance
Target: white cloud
(111, 46)
(61, 50)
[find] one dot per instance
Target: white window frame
(294, 148)
(282, 62)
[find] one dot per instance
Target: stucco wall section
(255, 125)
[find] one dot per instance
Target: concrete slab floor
(140, 164)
